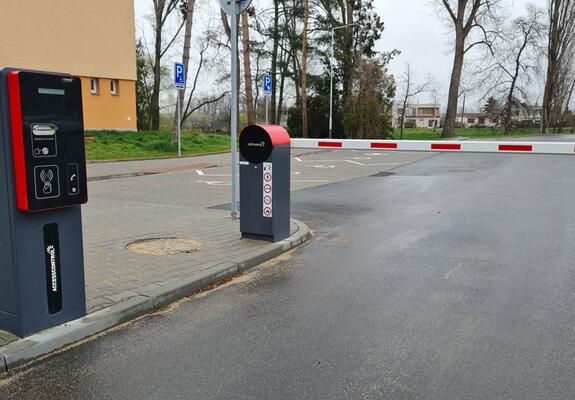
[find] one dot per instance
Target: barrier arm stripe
(468, 146)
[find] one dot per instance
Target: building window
(114, 86)
(431, 123)
(94, 85)
(470, 120)
(482, 121)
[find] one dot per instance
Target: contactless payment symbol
(46, 182)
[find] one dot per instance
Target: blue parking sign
(179, 76)
(267, 84)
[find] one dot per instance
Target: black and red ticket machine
(43, 182)
(265, 182)
(47, 140)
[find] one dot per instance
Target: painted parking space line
(228, 183)
(202, 173)
(216, 183)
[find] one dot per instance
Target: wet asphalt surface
(449, 278)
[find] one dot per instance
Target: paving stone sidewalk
(165, 205)
(114, 273)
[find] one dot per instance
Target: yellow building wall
(80, 37)
(86, 38)
(107, 111)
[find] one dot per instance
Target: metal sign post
(267, 93)
(234, 8)
(180, 84)
(234, 114)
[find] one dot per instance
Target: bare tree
(187, 8)
(304, 69)
(228, 31)
(560, 53)
(525, 34)
(566, 108)
(162, 11)
(466, 16)
(275, 48)
(410, 90)
(247, 67)
(201, 63)
(514, 62)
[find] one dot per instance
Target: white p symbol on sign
(267, 83)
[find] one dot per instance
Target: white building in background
(418, 115)
(528, 115)
(476, 120)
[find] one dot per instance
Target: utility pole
(463, 112)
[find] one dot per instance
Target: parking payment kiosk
(265, 182)
(42, 185)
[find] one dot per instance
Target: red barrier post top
(277, 134)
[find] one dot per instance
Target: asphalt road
(449, 278)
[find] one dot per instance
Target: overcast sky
(411, 26)
(414, 27)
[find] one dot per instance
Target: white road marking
(354, 162)
(298, 159)
(216, 183)
(227, 183)
(382, 164)
(321, 166)
(320, 160)
(202, 173)
(453, 271)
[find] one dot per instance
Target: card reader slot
(44, 129)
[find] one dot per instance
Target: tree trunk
(155, 101)
(247, 69)
(402, 127)
(552, 65)
(228, 30)
(186, 61)
(566, 110)
(273, 72)
(348, 57)
(281, 88)
(455, 83)
(304, 70)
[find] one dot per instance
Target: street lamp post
(331, 77)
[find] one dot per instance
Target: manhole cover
(163, 246)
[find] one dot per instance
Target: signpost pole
(331, 87)
(234, 112)
(267, 94)
(180, 84)
(234, 8)
(179, 119)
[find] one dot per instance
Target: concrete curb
(157, 158)
(148, 301)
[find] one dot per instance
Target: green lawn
(113, 145)
(428, 134)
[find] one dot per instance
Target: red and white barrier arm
(470, 146)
